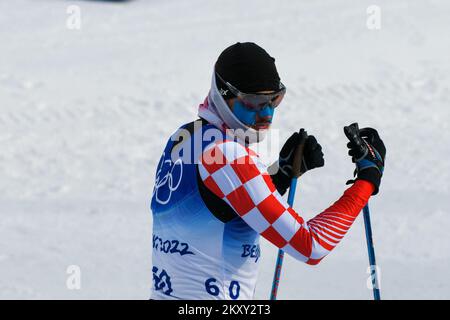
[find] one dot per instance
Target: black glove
(368, 152)
(312, 158)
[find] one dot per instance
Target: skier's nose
(265, 115)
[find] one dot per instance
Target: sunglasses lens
(257, 102)
(277, 100)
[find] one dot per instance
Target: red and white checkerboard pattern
(235, 174)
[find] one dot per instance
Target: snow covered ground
(84, 115)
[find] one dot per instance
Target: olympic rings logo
(167, 180)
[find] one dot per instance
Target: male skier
(213, 197)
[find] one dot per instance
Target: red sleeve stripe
(336, 227)
(320, 240)
(321, 225)
(336, 217)
(342, 216)
(331, 227)
(349, 217)
(336, 224)
(335, 237)
(324, 237)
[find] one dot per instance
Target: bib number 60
(214, 290)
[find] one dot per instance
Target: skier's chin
(261, 126)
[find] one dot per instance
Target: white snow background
(85, 114)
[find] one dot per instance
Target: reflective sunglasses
(257, 101)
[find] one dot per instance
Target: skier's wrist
(371, 175)
(281, 181)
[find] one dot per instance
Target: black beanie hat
(248, 67)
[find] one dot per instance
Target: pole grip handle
(298, 156)
(353, 135)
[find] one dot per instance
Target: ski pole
(371, 251)
(298, 158)
(279, 263)
(353, 134)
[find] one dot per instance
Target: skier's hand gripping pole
(368, 152)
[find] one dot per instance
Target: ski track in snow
(85, 115)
